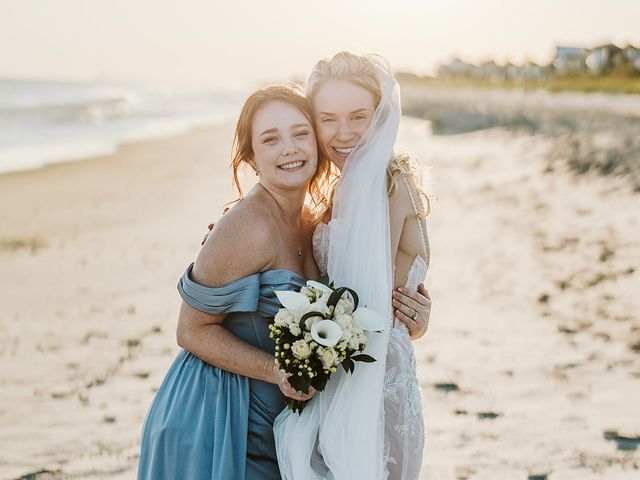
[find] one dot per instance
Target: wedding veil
(340, 433)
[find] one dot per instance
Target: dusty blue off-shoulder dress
(209, 424)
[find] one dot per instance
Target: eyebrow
(350, 113)
(275, 130)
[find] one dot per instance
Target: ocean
(43, 122)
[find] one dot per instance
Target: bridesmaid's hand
(286, 388)
(413, 309)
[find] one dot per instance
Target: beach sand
(530, 369)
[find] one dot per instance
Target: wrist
(274, 371)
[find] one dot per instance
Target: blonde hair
(243, 148)
(360, 71)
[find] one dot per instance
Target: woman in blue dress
(212, 417)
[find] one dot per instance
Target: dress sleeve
(241, 295)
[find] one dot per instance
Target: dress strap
(241, 295)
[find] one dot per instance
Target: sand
(530, 369)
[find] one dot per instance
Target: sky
(225, 43)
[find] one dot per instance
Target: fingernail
(400, 289)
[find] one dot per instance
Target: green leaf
(363, 357)
(320, 382)
(348, 365)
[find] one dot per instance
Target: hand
(413, 309)
(286, 388)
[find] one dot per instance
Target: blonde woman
(372, 238)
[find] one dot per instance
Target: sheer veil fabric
(340, 433)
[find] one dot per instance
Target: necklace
(284, 216)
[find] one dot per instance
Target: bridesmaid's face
(343, 112)
(284, 146)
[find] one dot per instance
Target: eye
(359, 117)
(327, 120)
(302, 134)
(270, 140)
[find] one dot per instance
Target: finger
(402, 299)
(407, 310)
(422, 290)
(422, 295)
(411, 299)
(411, 325)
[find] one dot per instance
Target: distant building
(631, 56)
(535, 72)
(569, 60)
(603, 59)
(456, 69)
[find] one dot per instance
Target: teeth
(287, 166)
(346, 151)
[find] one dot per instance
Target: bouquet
(318, 329)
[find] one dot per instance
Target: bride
(372, 238)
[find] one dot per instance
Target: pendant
(299, 251)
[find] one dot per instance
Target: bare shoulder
(237, 246)
(400, 205)
(405, 192)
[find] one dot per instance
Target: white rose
(283, 317)
(308, 337)
(354, 342)
(343, 320)
(328, 356)
(346, 335)
(342, 345)
(343, 307)
(301, 349)
(294, 328)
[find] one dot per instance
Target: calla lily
(319, 286)
(292, 301)
(319, 307)
(326, 332)
(370, 320)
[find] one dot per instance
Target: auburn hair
(242, 151)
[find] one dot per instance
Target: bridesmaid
(212, 417)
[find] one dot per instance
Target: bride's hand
(286, 388)
(413, 309)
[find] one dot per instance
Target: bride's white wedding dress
(404, 424)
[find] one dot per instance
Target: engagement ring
(415, 315)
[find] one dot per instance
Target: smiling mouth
(291, 165)
(344, 150)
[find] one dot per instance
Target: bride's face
(343, 112)
(284, 146)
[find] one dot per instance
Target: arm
(237, 247)
(406, 303)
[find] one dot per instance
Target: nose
(289, 147)
(345, 132)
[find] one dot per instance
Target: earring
(257, 172)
